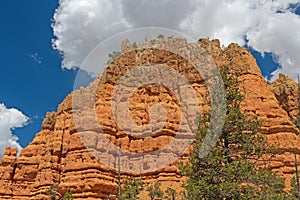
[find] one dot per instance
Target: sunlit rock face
(64, 152)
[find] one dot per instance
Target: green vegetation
(134, 45)
(68, 195)
(52, 192)
(296, 122)
(55, 193)
(155, 191)
(170, 194)
(112, 56)
(131, 189)
(160, 36)
(294, 193)
(229, 170)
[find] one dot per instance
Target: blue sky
(32, 87)
(32, 78)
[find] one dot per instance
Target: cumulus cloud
(10, 118)
(79, 25)
(280, 35)
(166, 13)
(264, 25)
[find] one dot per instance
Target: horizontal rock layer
(77, 147)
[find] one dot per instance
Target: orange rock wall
(61, 152)
(286, 91)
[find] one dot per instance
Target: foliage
(68, 195)
(170, 194)
(155, 191)
(112, 56)
(55, 193)
(228, 171)
(294, 190)
(131, 189)
(134, 45)
(296, 122)
(160, 36)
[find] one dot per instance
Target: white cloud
(166, 13)
(10, 118)
(80, 25)
(268, 25)
(280, 34)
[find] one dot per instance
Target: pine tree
(55, 193)
(68, 195)
(170, 194)
(155, 191)
(112, 56)
(131, 189)
(229, 171)
(294, 193)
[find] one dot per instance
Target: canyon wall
(66, 151)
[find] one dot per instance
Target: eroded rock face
(63, 152)
(261, 102)
(49, 121)
(286, 92)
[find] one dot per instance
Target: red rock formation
(261, 101)
(286, 92)
(62, 152)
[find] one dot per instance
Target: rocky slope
(64, 152)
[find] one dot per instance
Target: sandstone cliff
(286, 91)
(63, 152)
